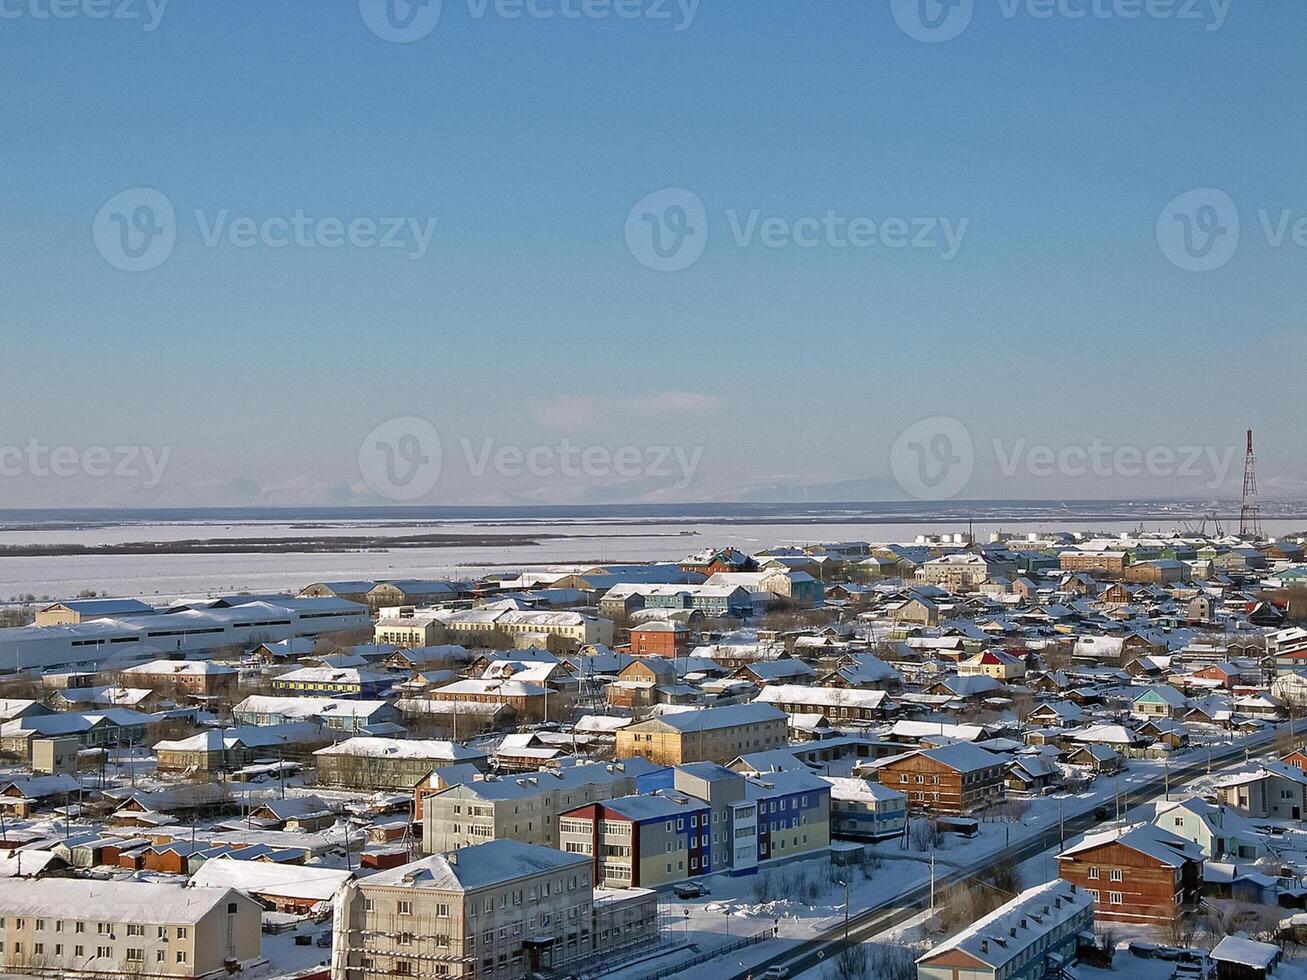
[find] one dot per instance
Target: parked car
(690, 889)
(776, 973)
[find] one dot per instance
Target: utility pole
(1061, 826)
(932, 881)
(846, 911)
(1166, 779)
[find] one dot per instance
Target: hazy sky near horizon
(247, 243)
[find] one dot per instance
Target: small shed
(1237, 958)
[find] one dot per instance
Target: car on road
(776, 973)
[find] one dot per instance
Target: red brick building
(660, 639)
(956, 778)
(1143, 874)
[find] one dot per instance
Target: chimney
(452, 857)
(1013, 931)
(984, 945)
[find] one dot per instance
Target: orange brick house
(1142, 874)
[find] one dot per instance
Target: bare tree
(890, 961)
(851, 963)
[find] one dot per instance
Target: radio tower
(1250, 515)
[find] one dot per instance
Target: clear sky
(786, 360)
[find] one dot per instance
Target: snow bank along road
(875, 920)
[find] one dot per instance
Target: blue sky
(528, 320)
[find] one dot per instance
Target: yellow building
(706, 735)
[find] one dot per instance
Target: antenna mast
(1250, 515)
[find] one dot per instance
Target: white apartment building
(66, 927)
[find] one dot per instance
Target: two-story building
(1142, 874)
(954, 778)
(710, 734)
(1033, 936)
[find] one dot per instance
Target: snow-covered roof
(1246, 952)
(295, 881)
(402, 748)
(1166, 848)
(479, 866)
(112, 901)
(1009, 931)
(821, 696)
(846, 788)
(727, 716)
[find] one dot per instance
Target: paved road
(870, 922)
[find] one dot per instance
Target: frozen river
(591, 538)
